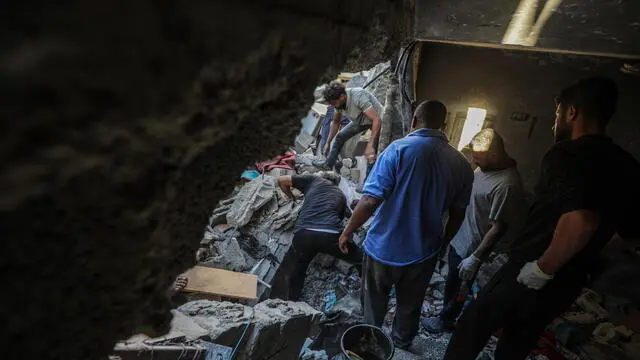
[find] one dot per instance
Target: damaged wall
(124, 122)
(505, 82)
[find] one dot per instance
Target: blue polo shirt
(418, 178)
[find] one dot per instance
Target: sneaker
(322, 164)
(436, 325)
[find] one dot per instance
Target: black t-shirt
(590, 173)
(324, 204)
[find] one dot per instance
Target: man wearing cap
(363, 110)
(496, 201)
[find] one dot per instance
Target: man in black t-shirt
(588, 190)
(319, 223)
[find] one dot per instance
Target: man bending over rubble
(319, 223)
(496, 200)
(413, 184)
(588, 190)
(364, 111)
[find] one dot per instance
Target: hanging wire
(235, 349)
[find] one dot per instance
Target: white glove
(532, 276)
(468, 267)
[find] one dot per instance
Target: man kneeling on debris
(496, 199)
(415, 181)
(364, 111)
(319, 223)
(588, 190)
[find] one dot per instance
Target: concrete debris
(251, 197)
(314, 355)
(276, 329)
(224, 321)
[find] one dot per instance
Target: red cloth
(285, 161)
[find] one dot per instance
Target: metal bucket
(366, 342)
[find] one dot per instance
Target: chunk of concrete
(223, 321)
(251, 197)
(183, 324)
(280, 330)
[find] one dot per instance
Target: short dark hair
(431, 114)
(596, 97)
(333, 91)
(332, 176)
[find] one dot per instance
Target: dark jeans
(306, 245)
(410, 282)
(342, 137)
(452, 303)
(521, 313)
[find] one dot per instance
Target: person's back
(415, 181)
(430, 176)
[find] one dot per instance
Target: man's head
(429, 114)
(335, 94)
(331, 176)
(487, 149)
(585, 106)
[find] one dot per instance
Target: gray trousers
(341, 138)
(410, 282)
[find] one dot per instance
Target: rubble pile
(273, 329)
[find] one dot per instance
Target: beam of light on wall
(472, 125)
(524, 29)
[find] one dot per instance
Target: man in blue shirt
(416, 181)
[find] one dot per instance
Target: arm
(573, 231)
(335, 126)
(456, 217)
(366, 207)
(285, 182)
(496, 231)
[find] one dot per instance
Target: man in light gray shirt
(496, 201)
(364, 111)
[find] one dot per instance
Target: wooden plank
(204, 280)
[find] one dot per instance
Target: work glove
(468, 267)
(532, 276)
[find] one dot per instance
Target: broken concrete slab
(280, 330)
(224, 321)
(251, 197)
(276, 329)
(183, 324)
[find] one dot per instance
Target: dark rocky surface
(123, 123)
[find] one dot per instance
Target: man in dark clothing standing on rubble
(413, 184)
(319, 223)
(588, 190)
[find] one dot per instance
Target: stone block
(182, 323)
(280, 330)
(223, 321)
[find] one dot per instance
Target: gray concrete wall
(506, 82)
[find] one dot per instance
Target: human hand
(180, 283)
(468, 267)
(532, 276)
(343, 242)
(370, 154)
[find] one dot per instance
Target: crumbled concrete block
(224, 321)
(231, 256)
(182, 323)
(280, 330)
(251, 197)
(277, 328)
